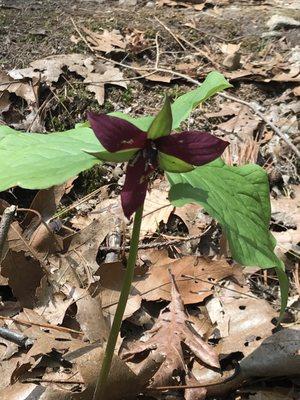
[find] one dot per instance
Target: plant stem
(116, 325)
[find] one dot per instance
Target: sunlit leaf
(35, 161)
(162, 123)
(184, 105)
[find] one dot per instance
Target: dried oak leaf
(169, 333)
(95, 73)
(24, 276)
(106, 41)
(194, 276)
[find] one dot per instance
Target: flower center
(151, 153)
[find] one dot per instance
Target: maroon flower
(145, 151)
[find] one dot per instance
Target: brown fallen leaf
(95, 73)
(242, 324)
(136, 41)
(285, 213)
(41, 235)
(157, 209)
(4, 102)
(21, 89)
(24, 275)
(155, 284)
(53, 301)
(232, 60)
(170, 331)
(194, 218)
(96, 81)
(50, 68)
(107, 41)
(194, 394)
(89, 315)
(243, 125)
(153, 76)
(195, 278)
(111, 280)
(31, 120)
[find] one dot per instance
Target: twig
(153, 245)
(6, 220)
(179, 39)
(16, 337)
(157, 51)
(59, 381)
(47, 326)
(201, 52)
(171, 33)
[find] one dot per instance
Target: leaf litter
(66, 291)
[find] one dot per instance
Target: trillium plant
(236, 196)
(146, 152)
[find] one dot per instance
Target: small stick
(16, 337)
(157, 51)
(61, 381)
(7, 217)
(179, 39)
(171, 33)
(47, 326)
(155, 244)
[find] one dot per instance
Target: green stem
(116, 325)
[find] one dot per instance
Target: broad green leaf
(238, 197)
(162, 123)
(184, 105)
(36, 161)
(173, 164)
(142, 123)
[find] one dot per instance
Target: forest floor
(60, 59)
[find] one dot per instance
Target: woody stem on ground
(116, 325)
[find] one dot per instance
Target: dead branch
(16, 337)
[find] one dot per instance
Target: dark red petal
(115, 133)
(136, 182)
(193, 147)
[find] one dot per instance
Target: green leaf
(118, 156)
(162, 123)
(183, 106)
(238, 197)
(36, 161)
(173, 164)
